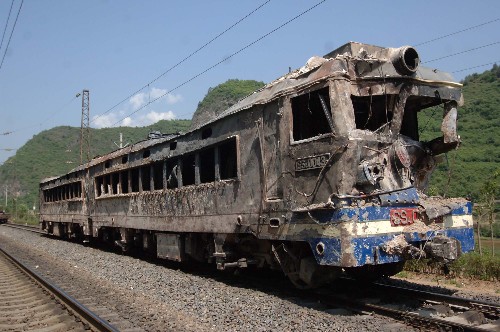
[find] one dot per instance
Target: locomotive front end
(360, 182)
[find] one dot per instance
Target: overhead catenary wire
(478, 66)
(457, 32)
(223, 60)
(11, 33)
(462, 52)
(6, 23)
(183, 60)
(58, 110)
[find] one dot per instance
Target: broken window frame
(70, 191)
(326, 121)
(147, 178)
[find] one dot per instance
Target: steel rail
(33, 229)
(488, 308)
(93, 320)
(408, 318)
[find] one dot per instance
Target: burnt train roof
(316, 69)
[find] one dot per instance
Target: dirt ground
(459, 284)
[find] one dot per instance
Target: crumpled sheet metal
(436, 206)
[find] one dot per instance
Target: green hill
(465, 170)
(222, 97)
(56, 151)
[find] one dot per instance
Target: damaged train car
(320, 172)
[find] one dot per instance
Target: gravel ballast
(155, 297)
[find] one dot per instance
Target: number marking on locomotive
(403, 216)
(312, 162)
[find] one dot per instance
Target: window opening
(171, 174)
(124, 159)
(207, 166)
(228, 166)
(134, 178)
(99, 185)
(78, 186)
(188, 170)
(206, 133)
(308, 111)
(116, 183)
(158, 175)
(173, 145)
(372, 112)
(146, 178)
(124, 182)
(107, 184)
(146, 154)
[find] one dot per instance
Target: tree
(488, 199)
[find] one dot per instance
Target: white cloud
(127, 122)
(106, 120)
(153, 117)
(136, 103)
(138, 100)
(111, 119)
(157, 93)
(142, 98)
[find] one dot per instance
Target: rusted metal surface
(312, 165)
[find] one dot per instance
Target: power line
(58, 110)
(457, 32)
(183, 60)
(469, 50)
(478, 66)
(222, 61)
(11, 33)
(6, 23)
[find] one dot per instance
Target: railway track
(30, 228)
(421, 309)
(30, 302)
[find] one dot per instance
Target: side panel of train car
(319, 171)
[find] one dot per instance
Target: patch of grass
(486, 245)
(471, 265)
(474, 265)
(403, 274)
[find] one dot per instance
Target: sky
(144, 61)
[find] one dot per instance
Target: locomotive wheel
(370, 273)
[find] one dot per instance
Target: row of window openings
(312, 114)
(64, 192)
(207, 166)
(206, 133)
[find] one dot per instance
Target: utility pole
(121, 146)
(5, 196)
(85, 128)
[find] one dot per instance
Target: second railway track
(29, 302)
(30, 228)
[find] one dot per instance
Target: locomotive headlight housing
(405, 59)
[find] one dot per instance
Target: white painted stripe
(379, 227)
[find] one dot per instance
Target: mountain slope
(221, 98)
(464, 171)
(56, 151)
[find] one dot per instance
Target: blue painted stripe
(361, 251)
(370, 213)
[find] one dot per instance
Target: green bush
(471, 265)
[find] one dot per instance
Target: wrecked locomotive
(320, 172)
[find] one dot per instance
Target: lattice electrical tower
(85, 128)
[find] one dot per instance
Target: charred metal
(320, 170)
